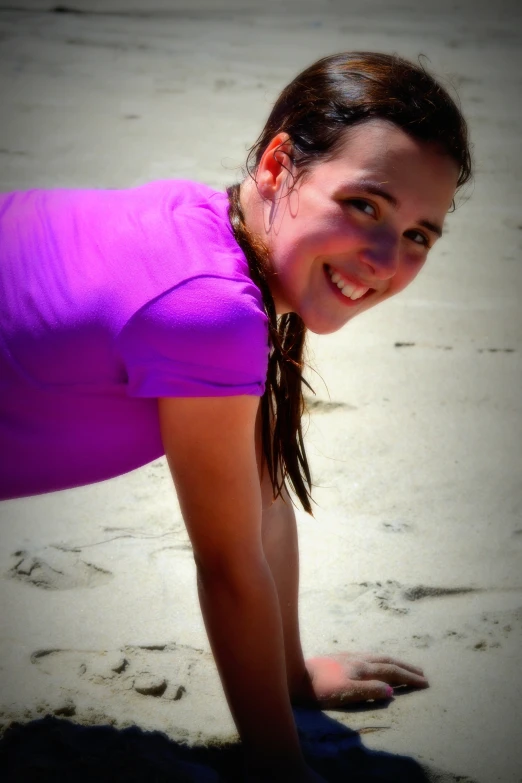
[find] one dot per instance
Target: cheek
(411, 267)
(330, 235)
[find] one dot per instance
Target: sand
(415, 432)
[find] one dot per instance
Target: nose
(381, 255)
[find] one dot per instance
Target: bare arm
(210, 446)
(331, 681)
(281, 548)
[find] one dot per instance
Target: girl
(171, 318)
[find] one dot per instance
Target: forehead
(379, 142)
(380, 151)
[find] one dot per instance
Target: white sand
(416, 544)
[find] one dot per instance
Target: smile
(346, 288)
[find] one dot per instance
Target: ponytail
(282, 404)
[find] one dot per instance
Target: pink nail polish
(389, 691)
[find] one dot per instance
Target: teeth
(347, 289)
(358, 293)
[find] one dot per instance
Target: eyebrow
(377, 190)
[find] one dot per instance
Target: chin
(324, 327)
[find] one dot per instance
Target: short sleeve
(206, 337)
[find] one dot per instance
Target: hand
(349, 678)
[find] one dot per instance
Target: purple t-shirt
(109, 300)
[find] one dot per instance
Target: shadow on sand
(55, 750)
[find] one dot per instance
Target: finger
(360, 691)
(395, 675)
(372, 658)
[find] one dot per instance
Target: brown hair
(314, 110)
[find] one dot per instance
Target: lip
(346, 300)
(349, 278)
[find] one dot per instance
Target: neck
(256, 213)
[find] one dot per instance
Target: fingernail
(389, 691)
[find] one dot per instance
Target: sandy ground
(415, 433)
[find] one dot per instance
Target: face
(356, 229)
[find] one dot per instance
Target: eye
(419, 238)
(363, 206)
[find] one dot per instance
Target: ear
(274, 165)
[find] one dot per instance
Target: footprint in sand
(160, 671)
(394, 597)
(389, 596)
(491, 631)
(327, 406)
(56, 568)
(397, 526)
